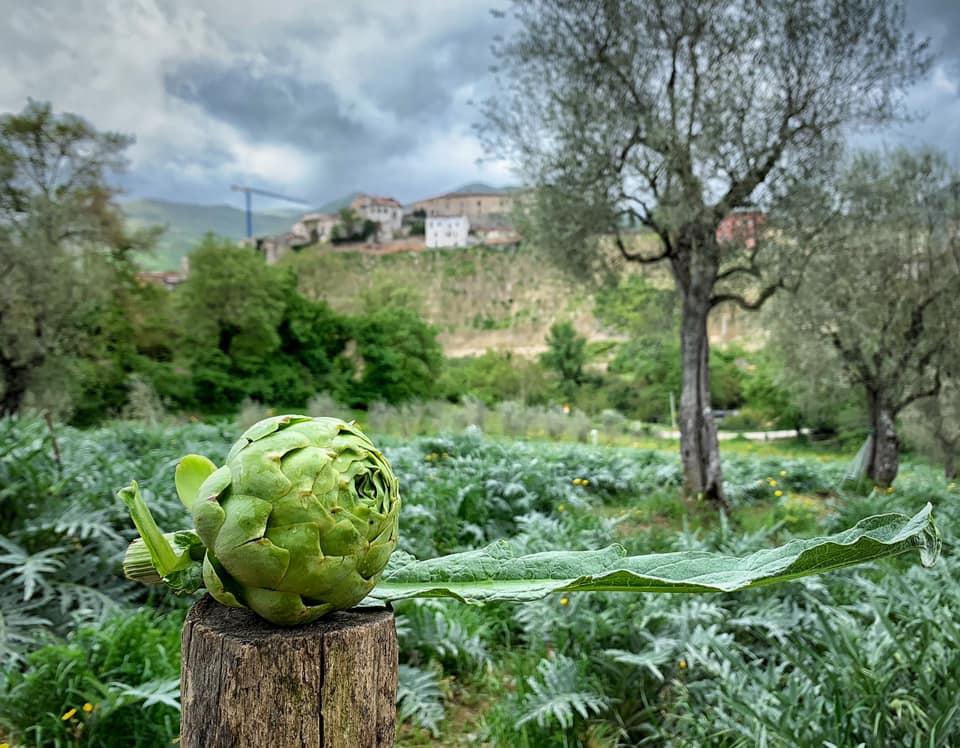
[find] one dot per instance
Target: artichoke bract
(299, 521)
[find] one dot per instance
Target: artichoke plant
(299, 521)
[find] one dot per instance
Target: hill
(478, 298)
(335, 206)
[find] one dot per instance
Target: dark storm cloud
(277, 107)
(425, 90)
(318, 97)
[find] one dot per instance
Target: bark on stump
(329, 684)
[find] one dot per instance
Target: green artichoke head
(298, 522)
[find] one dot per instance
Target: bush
(396, 357)
(118, 682)
(494, 377)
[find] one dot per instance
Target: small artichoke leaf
(185, 581)
(218, 584)
(263, 429)
(495, 573)
(207, 511)
(191, 472)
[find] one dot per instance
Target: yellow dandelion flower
(889, 489)
(783, 473)
(576, 481)
(561, 507)
(69, 715)
(773, 483)
(4, 745)
(564, 601)
(682, 664)
(446, 454)
(584, 482)
(88, 707)
(778, 493)
(951, 486)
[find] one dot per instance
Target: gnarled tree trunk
(699, 445)
(15, 381)
(950, 465)
(885, 452)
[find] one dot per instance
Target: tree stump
(245, 682)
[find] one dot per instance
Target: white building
(385, 211)
(446, 231)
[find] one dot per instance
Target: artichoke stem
(165, 559)
(138, 565)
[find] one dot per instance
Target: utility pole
(249, 191)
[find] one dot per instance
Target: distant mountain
(335, 206)
(186, 224)
(481, 188)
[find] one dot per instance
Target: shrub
(118, 682)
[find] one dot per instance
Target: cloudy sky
(312, 98)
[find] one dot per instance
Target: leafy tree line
(77, 328)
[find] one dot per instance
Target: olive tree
(63, 244)
(672, 114)
(879, 301)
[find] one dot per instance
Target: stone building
(315, 226)
(384, 211)
(478, 207)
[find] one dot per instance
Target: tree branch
(742, 302)
(932, 391)
(750, 270)
(639, 257)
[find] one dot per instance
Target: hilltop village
(381, 225)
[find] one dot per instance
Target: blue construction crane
(248, 191)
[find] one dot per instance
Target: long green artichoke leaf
(495, 573)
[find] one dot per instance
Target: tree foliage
(933, 425)
(64, 267)
(395, 357)
(883, 295)
(566, 355)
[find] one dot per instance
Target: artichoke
(300, 521)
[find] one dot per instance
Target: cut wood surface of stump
(328, 684)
